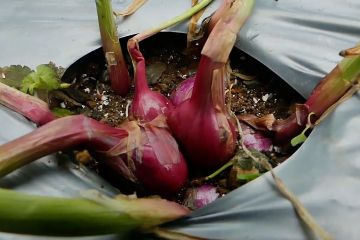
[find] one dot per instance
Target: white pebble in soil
(266, 97)
(62, 105)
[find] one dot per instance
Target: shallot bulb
(201, 125)
(183, 91)
(146, 154)
(151, 157)
(147, 104)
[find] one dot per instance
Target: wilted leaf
(351, 52)
(13, 75)
(264, 123)
(133, 7)
(193, 32)
(243, 76)
(245, 168)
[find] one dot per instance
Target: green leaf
(247, 177)
(13, 75)
(29, 83)
(61, 112)
(45, 78)
(298, 139)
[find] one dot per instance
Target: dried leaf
(243, 76)
(264, 123)
(83, 157)
(133, 7)
(127, 145)
(193, 32)
(351, 52)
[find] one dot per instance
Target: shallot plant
(144, 154)
(202, 124)
(142, 150)
(148, 104)
(184, 90)
(340, 81)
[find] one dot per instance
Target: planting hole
(254, 90)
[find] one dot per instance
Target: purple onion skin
(201, 138)
(165, 174)
(146, 108)
(160, 166)
(147, 104)
(201, 196)
(156, 163)
(183, 91)
(206, 134)
(255, 139)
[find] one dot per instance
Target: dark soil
(167, 65)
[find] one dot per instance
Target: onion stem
(331, 88)
(57, 135)
(185, 15)
(30, 107)
(118, 72)
(27, 214)
(334, 85)
(220, 170)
